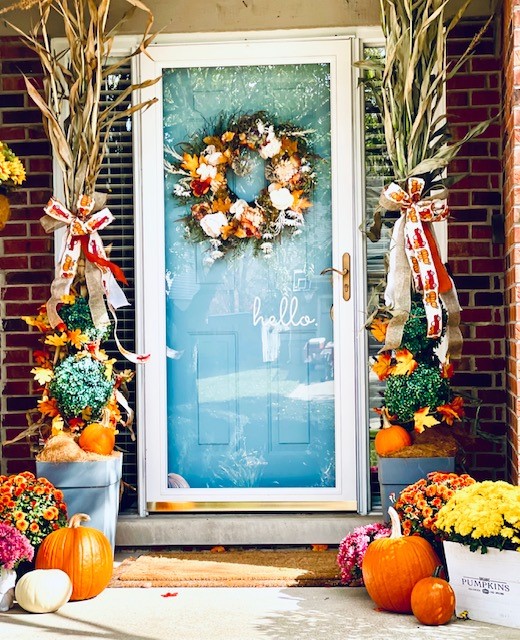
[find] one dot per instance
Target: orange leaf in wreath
(190, 163)
(300, 203)
(218, 549)
(291, 146)
(422, 419)
(320, 547)
(378, 329)
(221, 204)
(405, 363)
(383, 366)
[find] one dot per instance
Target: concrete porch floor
(234, 614)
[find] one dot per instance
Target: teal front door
(255, 341)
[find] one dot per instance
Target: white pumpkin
(43, 590)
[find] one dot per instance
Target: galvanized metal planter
(395, 474)
(89, 487)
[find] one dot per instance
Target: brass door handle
(345, 274)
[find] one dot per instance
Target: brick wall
(512, 223)
(26, 258)
(476, 243)
(476, 252)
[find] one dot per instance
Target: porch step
(237, 529)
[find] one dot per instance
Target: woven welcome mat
(257, 568)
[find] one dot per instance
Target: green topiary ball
(425, 387)
(77, 316)
(415, 329)
(80, 382)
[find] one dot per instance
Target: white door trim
(151, 336)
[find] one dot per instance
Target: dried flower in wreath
(237, 146)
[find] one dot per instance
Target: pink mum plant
(352, 550)
(14, 547)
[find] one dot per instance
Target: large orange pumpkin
(97, 438)
(391, 437)
(84, 553)
(393, 566)
(433, 600)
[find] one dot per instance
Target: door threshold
(236, 529)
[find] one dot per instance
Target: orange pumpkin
(391, 437)
(433, 600)
(97, 438)
(393, 566)
(84, 553)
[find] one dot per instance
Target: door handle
(345, 274)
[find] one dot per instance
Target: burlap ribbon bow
(414, 257)
(100, 273)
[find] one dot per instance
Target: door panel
(250, 376)
(272, 307)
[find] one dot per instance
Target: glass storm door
(253, 381)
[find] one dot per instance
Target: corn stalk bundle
(409, 87)
(74, 118)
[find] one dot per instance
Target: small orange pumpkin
(393, 566)
(97, 438)
(84, 553)
(433, 600)
(391, 437)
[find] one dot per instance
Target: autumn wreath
(211, 159)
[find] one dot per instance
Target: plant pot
(487, 586)
(395, 474)
(89, 487)
(7, 583)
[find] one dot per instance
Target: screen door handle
(345, 274)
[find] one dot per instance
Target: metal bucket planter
(395, 474)
(89, 487)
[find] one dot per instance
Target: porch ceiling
(185, 16)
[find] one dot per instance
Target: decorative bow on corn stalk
(414, 256)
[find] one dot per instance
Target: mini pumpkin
(84, 553)
(391, 437)
(393, 566)
(97, 438)
(43, 590)
(433, 600)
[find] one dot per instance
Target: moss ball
(415, 337)
(80, 382)
(77, 316)
(425, 387)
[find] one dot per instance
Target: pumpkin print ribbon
(414, 256)
(101, 274)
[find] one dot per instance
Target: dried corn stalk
(409, 86)
(75, 120)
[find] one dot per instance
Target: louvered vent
(378, 172)
(116, 179)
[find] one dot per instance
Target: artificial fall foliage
(417, 395)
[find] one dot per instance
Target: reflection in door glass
(250, 345)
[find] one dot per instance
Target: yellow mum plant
(484, 514)
(12, 171)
